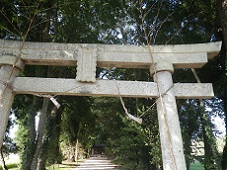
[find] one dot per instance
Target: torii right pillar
(169, 125)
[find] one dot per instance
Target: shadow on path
(97, 163)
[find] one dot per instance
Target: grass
(196, 166)
(63, 166)
(11, 166)
(12, 162)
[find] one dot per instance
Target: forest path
(98, 162)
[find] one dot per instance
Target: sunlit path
(96, 163)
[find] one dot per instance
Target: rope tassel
(138, 120)
(55, 102)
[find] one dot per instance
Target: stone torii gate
(87, 57)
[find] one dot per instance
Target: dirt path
(96, 163)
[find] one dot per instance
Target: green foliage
(190, 126)
(132, 145)
(130, 148)
(88, 20)
(11, 166)
(78, 122)
(196, 166)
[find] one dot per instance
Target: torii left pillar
(10, 68)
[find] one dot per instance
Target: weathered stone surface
(169, 125)
(22, 85)
(86, 56)
(6, 96)
(11, 60)
(86, 64)
(126, 56)
(161, 66)
(193, 90)
(29, 85)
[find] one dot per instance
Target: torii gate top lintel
(126, 56)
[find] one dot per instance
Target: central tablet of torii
(87, 57)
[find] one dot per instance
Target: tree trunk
(76, 150)
(42, 143)
(58, 131)
(46, 29)
(55, 22)
(54, 131)
(38, 161)
(224, 155)
(4, 167)
(30, 144)
(71, 154)
(211, 160)
(222, 12)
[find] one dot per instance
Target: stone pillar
(169, 125)
(10, 67)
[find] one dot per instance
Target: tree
(78, 124)
(222, 32)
